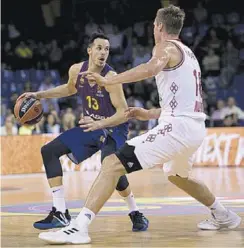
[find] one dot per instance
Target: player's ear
(89, 50)
(161, 27)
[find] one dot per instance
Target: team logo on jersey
(99, 91)
(81, 80)
(102, 139)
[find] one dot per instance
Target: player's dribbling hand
(137, 113)
(28, 94)
(94, 77)
(88, 124)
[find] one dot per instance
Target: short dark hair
(96, 35)
(172, 18)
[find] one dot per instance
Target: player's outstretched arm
(158, 61)
(142, 114)
(64, 90)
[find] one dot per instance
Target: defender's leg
(140, 223)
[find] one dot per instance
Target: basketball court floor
(173, 215)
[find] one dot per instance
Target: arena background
(41, 39)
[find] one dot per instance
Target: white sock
(131, 202)
(218, 209)
(85, 217)
(58, 198)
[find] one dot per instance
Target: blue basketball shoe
(55, 219)
(139, 221)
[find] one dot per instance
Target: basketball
(28, 111)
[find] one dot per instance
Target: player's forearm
(114, 120)
(57, 92)
(154, 113)
(138, 73)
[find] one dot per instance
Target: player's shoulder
(75, 68)
(173, 46)
(111, 71)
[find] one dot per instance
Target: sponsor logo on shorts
(130, 164)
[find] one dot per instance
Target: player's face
(99, 52)
(157, 31)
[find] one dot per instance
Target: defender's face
(99, 51)
(157, 31)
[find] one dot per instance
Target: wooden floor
(173, 215)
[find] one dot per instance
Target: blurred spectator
(12, 101)
(55, 55)
(226, 75)
(9, 127)
(230, 121)
(46, 85)
(90, 27)
(214, 42)
(13, 33)
(200, 13)
(220, 112)
(8, 55)
(230, 56)
(41, 55)
(211, 63)
(134, 102)
(56, 115)
(26, 130)
(39, 127)
(115, 39)
(51, 125)
(140, 32)
(233, 109)
(141, 55)
(3, 112)
(68, 120)
(28, 87)
(23, 51)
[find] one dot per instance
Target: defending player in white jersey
(180, 131)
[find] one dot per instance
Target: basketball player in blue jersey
(103, 127)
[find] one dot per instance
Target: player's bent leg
(139, 222)
(101, 190)
(79, 145)
(105, 183)
(143, 152)
(59, 216)
(221, 217)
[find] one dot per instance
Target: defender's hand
(89, 124)
(137, 113)
(28, 94)
(95, 78)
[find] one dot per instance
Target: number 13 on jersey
(92, 102)
(198, 104)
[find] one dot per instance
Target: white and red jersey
(179, 88)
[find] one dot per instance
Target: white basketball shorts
(171, 143)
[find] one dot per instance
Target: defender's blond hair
(172, 18)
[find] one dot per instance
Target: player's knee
(122, 183)
(111, 164)
(49, 150)
(108, 163)
(45, 150)
(176, 178)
